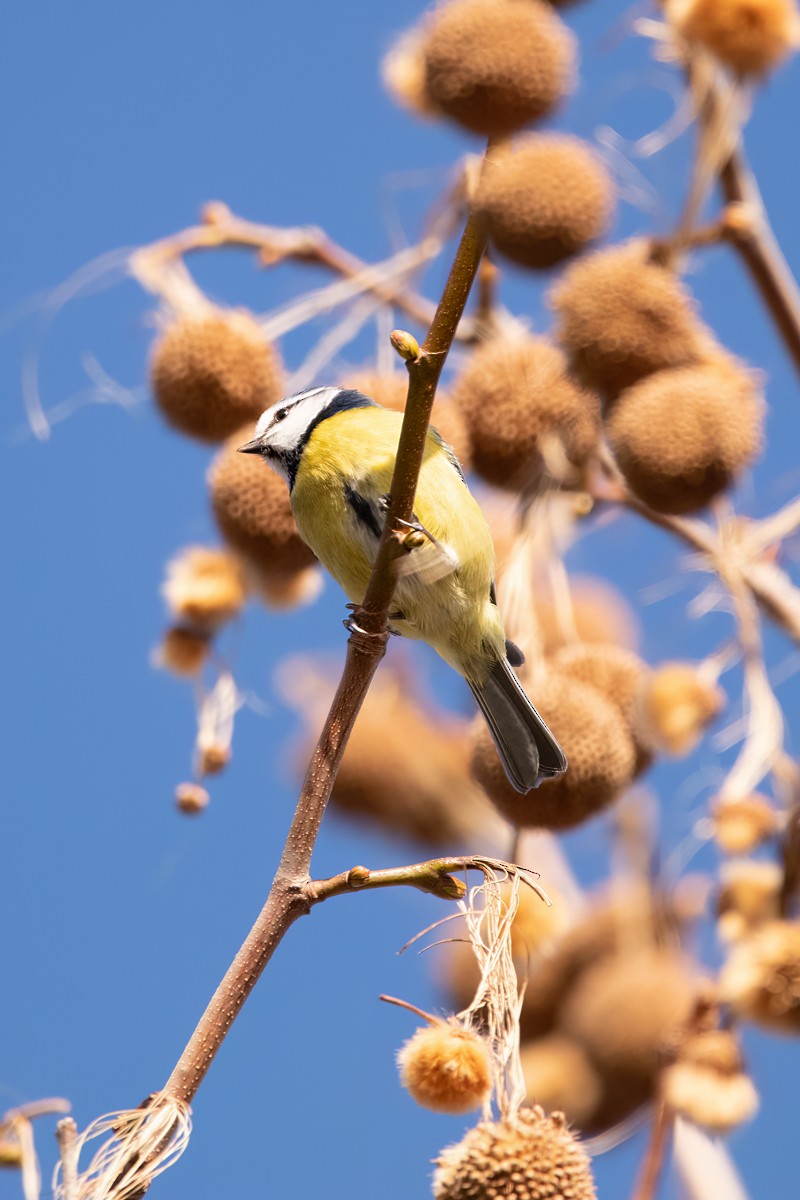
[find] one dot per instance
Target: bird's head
(283, 431)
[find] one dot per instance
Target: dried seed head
(678, 704)
(715, 1049)
(403, 74)
(11, 1151)
(212, 374)
(619, 675)
(545, 199)
(446, 1067)
(532, 1157)
(183, 651)
(681, 437)
(213, 758)
(406, 769)
(191, 798)
(749, 896)
(204, 588)
(495, 67)
(598, 747)
(599, 613)
(626, 1009)
(287, 591)
(622, 317)
(390, 388)
(560, 1077)
(752, 37)
(761, 979)
(252, 508)
(741, 826)
(717, 1102)
(519, 404)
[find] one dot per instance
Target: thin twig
(653, 1163)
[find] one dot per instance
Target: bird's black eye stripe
(280, 415)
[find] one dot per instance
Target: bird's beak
(254, 447)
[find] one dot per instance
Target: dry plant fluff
(741, 825)
(446, 1067)
(599, 749)
(204, 588)
(678, 703)
(494, 67)
(532, 1157)
(622, 316)
(751, 37)
(683, 436)
(596, 612)
(749, 896)
(707, 1083)
(522, 409)
(210, 374)
(545, 199)
(761, 979)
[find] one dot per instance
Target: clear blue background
(118, 121)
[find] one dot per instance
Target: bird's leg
(415, 535)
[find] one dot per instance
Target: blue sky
(118, 121)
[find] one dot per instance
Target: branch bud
(405, 344)
(358, 876)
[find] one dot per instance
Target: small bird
(336, 448)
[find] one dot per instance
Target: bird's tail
(528, 751)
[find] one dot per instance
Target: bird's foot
(413, 535)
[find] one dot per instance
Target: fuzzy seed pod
(191, 798)
(560, 1077)
(252, 509)
(620, 676)
(621, 317)
(626, 1009)
(599, 613)
(213, 758)
(390, 388)
(681, 437)
(406, 769)
(749, 896)
(182, 651)
(761, 979)
(532, 1157)
(11, 1153)
(493, 68)
(403, 75)
(545, 199)
(598, 747)
(446, 1068)
(212, 374)
(719, 1103)
(204, 588)
(752, 37)
(678, 703)
(741, 826)
(522, 408)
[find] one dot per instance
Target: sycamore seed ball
(522, 409)
(532, 1157)
(183, 651)
(743, 824)
(621, 317)
(211, 374)
(446, 1068)
(560, 1077)
(191, 798)
(761, 979)
(749, 896)
(752, 37)
(204, 588)
(681, 437)
(678, 703)
(598, 747)
(545, 199)
(403, 73)
(390, 388)
(707, 1083)
(495, 67)
(252, 509)
(598, 613)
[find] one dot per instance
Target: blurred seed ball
(11, 1154)
(619, 675)
(598, 747)
(749, 896)
(752, 37)
(515, 394)
(211, 374)
(560, 1077)
(625, 1010)
(532, 1157)
(252, 509)
(284, 591)
(493, 67)
(403, 73)
(622, 317)
(681, 437)
(761, 979)
(204, 588)
(744, 824)
(213, 758)
(183, 651)
(446, 1068)
(599, 613)
(708, 1085)
(390, 388)
(191, 798)
(406, 769)
(544, 199)
(678, 703)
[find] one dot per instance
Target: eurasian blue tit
(336, 448)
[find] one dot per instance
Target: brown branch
(288, 899)
(433, 877)
(653, 1163)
